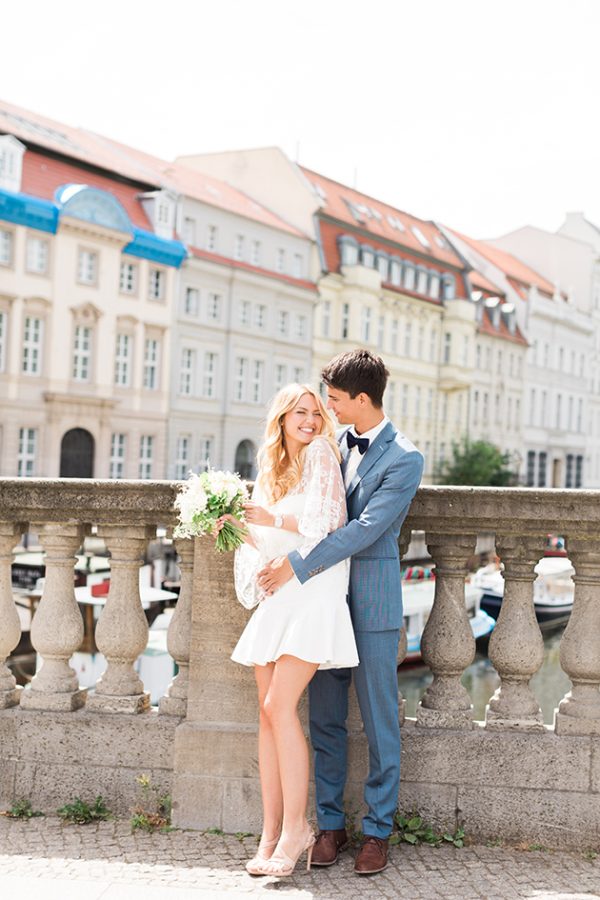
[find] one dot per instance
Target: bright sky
(483, 114)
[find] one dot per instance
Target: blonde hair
(277, 473)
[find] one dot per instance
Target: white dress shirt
(355, 456)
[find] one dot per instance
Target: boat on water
(418, 590)
(552, 590)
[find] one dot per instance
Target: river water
(549, 684)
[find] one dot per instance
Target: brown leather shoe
(328, 846)
(372, 856)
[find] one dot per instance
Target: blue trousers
(376, 683)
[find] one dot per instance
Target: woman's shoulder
(319, 448)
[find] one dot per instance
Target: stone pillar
(57, 627)
(516, 646)
(579, 711)
(403, 543)
(122, 630)
(215, 781)
(10, 625)
(447, 643)
(178, 637)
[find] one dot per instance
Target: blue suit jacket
(378, 500)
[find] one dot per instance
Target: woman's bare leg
(290, 678)
(268, 766)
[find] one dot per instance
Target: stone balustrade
(508, 776)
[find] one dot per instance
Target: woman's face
(304, 421)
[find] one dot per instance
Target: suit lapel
(376, 449)
(343, 445)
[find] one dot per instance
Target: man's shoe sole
(370, 871)
(324, 865)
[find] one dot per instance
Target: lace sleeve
(248, 561)
(325, 505)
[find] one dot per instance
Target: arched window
(245, 459)
(77, 454)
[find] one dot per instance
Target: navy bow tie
(361, 443)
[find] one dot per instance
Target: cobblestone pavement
(47, 859)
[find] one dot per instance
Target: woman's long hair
(277, 473)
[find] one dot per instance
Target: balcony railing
(202, 735)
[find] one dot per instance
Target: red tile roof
(42, 174)
(128, 162)
(239, 264)
(512, 267)
(376, 219)
(481, 283)
(486, 327)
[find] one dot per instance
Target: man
(382, 470)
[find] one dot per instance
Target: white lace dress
(310, 621)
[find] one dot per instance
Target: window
(186, 371)
(434, 286)
(210, 369)
(418, 402)
(206, 452)
(3, 332)
(348, 250)
(420, 236)
(82, 353)
(380, 331)
(37, 255)
(476, 407)
(128, 278)
(151, 351)
(409, 277)
(213, 309)
(382, 266)
(298, 267)
(182, 460)
(558, 410)
(447, 346)
(241, 377)
(578, 471)
(404, 406)
(485, 407)
(280, 260)
(408, 340)
(391, 398)
(189, 231)
(298, 374)
(570, 413)
(569, 471)
(432, 345)
(394, 337)
(488, 359)
(238, 247)
(123, 360)
(345, 319)
(444, 407)
(280, 376)
(561, 358)
(27, 451)
(6, 247)
(256, 387)
(365, 327)
(497, 409)
(499, 363)
(117, 456)
(301, 328)
(542, 469)
(283, 322)
(509, 413)
(422, 281)
(11, 163)
(87, 267)
(478, 356)
(326, 318)
(543, 410)
(260, 316)
(32, 346)
(430, 403)
(191, 304)
(146, 454)
(532, 407)
(255, 253)
(449, 287)
(156, 284)
(395, 272)
(530, 468)
(579, 414)
(245, 312)
(211, 238)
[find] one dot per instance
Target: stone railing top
(89, 501)
(452, 509)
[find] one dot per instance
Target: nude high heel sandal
(282, 865)
(254, 865)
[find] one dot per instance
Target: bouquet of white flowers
(205, 498)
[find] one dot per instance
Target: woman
(298, 498)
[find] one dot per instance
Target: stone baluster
(579, 711)
(57, 626)
(516, 646)
(403, 544)
(10, 625)
(122, 630)
(179, 634)
(447, 643)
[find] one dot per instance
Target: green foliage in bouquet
(205, 498)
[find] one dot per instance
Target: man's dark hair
(357, 371)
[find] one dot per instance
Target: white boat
(417, 602)
(553, 590)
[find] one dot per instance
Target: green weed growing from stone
(81, 813)
(412, 829)
(214, 831)
(22, 809)
(153, 809)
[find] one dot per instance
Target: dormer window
(11, 163)
(509, 316)
(348, 250)
(493, 307)
(409, 277)
(160, 207)
(383, 265)
(395, 271)
(421, 280)
(367, 256)
(434, 285)
(449, 286)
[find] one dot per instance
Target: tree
(477, 463)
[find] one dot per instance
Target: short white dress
(310, 621)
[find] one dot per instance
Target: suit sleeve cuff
(298, 564)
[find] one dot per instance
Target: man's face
(344, 408)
